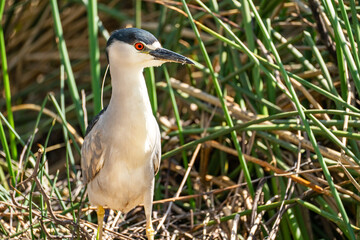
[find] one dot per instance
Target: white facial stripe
(154, 46)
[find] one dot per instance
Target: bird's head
(137, 47)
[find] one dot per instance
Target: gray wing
(94, 121)
(156, 155)
(92, 151)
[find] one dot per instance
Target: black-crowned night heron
(121, 151)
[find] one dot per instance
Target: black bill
(169, 56)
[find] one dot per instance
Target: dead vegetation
(202, 191)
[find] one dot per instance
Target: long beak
(169, 56)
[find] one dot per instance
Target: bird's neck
(129, 92)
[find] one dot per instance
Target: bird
(121, 152)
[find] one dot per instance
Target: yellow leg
(148, 211)
(100, 215)
(149, 230)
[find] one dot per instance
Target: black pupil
(139, 46)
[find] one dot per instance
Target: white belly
(120, 188)
(128, 172)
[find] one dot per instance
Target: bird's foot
(150, 232)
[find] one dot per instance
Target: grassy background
(260, 138)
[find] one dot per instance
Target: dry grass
(292, 196)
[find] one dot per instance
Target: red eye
(139, 46)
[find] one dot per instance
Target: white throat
(129, 93)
